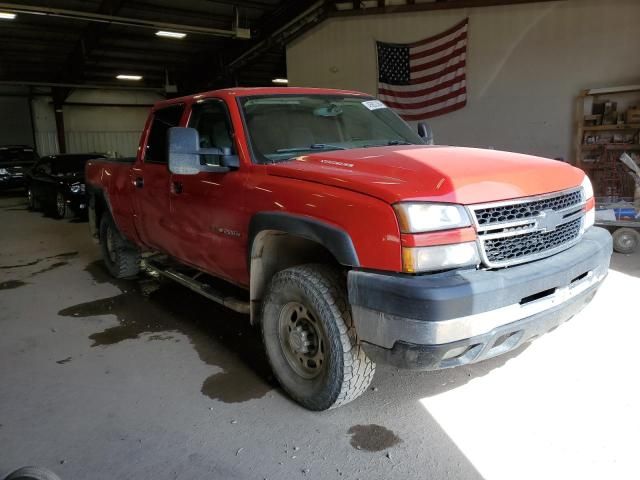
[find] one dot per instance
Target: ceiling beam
(424, 7)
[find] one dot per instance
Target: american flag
(426, 78)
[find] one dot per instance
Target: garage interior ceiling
(90, 42)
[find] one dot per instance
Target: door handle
(177, 187)
(139, 182)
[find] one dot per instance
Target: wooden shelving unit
(598, 147)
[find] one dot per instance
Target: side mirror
(425, 133)
(184, 153)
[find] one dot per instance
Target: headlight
(587, 188)
(441, 257)
(429, 217)
(4, 171)
(77, 188)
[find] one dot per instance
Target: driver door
(207, 208)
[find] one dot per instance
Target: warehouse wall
(94, 128)
(15, 117)
(526, 64)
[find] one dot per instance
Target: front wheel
(61, 209)
(120, 257)
(626, 240)
(32, 203)
(310, 339)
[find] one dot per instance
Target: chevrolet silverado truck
(345, 236)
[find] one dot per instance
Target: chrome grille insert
(519, 231)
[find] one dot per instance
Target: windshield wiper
(315, 146)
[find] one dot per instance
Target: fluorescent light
(7, 16)
(164, 33)
(280, 81)
(129, 77)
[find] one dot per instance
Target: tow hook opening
(537, 296)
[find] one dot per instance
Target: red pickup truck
(346, 236)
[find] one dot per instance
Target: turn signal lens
(587, 188)
(441, 257)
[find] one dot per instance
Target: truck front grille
(523, 230)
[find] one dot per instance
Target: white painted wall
(526, 64)
(114, 129)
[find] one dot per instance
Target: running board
(192, 283)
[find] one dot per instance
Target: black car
(56, 184)
(14, 161)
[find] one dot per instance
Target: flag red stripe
(435, 113)
(440, 35)
(441, 61)
(427, 103)
(425, 91)
(434, 76)
(444, 46)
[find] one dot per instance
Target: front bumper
(430, 322)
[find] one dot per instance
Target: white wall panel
(526, 64)
(108, 121)
(123, 144)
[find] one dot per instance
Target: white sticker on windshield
(374, 104)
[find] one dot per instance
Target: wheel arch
(280, 240)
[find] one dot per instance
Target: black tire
(120, 257)
(32, 473)
(32, 202)
(60, 209)
(312, 299)
(626, 240)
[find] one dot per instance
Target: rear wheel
(626, 240)
(120, 257)
(310, 339)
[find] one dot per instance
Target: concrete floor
(127, 380)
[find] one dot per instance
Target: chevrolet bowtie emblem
(549, 220)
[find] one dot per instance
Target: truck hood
(432, 173)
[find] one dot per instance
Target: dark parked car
(56, 184)
(14, 161)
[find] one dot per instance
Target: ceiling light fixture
(167, 34)
(129, 77)
(7, 16)
(280, 81)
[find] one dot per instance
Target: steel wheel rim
(111, 244)
(60, 205)
(302, 340)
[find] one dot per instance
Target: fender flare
(334, 239)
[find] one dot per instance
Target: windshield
(286, 126)
(17, 154)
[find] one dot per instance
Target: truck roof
(256, 91)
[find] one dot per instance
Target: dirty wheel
(310, 339)
(120, 257)
(626, 240)
(32, 473)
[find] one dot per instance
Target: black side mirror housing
(425, 132)
(184, 153)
